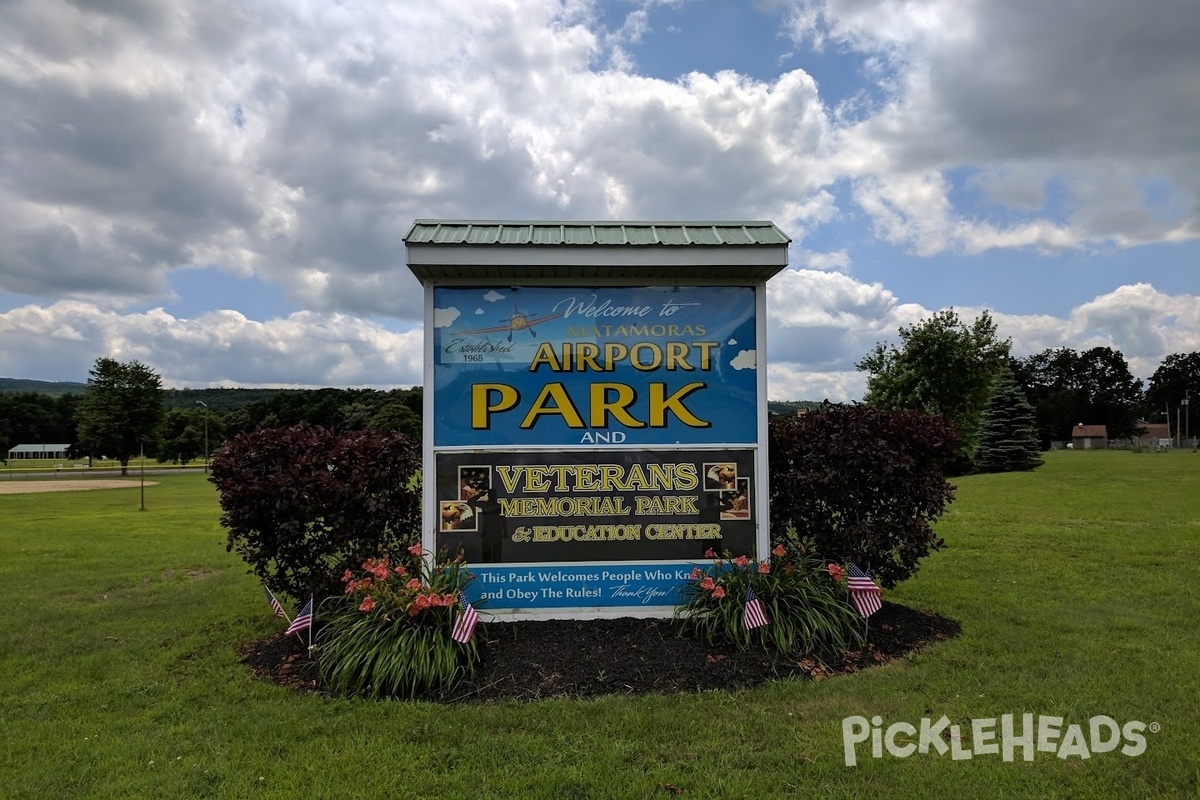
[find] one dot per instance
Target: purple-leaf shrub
(861, 484)
(305, 503)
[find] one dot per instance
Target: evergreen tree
(1008, 441)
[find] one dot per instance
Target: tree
(1008, 441)
(36, 418)
(322, 407)
(121, 410)
(183, 436)
(1049, 382)
(395, 415)
(1067, 388)
(942, 367)
(1114, 396)
(337, 409)
(1176, 379)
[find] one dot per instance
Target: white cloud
(444, 317)
(1005, 97)
(915, 212)
(293, 143)
(784, 382)
(798, 298)
(745, 359)
(819, 325)
(834, 260)
(217, 349)
(1144, 324)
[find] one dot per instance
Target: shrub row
(308, 508)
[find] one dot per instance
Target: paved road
(70, 473)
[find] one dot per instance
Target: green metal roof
(534, 233)
(492, 250)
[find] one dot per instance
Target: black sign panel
(611, 506)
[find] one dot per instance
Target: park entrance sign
(595, 406)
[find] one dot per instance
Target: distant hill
(219, 399)
(229, 399)
(41, 387)
(216, 399)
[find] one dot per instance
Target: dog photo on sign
(740, 506)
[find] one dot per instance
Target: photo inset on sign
(740, 505)
(714, 507)
(720, 477)
(458, 516)
(473, 481)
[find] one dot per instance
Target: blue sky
(221, 192)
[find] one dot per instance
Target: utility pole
(202, 403)
(1187, 393)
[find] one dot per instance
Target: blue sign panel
(625, 365)
(627, 586)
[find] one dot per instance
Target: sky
(220, 190)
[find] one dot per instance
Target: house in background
(1089, 437)
(1154, 434)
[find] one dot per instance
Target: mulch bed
(580, 659)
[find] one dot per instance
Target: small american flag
(464, 628)
(303, 619)
(756, 615)
(275, 605)
(864, 594)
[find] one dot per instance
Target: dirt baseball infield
(29, 487)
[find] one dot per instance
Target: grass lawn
(1076, 585)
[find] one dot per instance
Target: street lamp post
(142, 458)
(202, 403)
